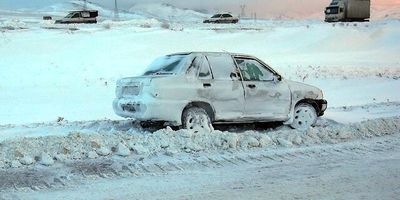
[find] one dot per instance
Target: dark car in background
(80, 17)
(222, 18)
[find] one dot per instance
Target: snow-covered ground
(72, 74)
(367, 170)
(57, 84)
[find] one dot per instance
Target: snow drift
(114, 138)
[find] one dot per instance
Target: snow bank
(13, 24)
(167, 12)
(137, 142)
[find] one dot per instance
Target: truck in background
(348, 10)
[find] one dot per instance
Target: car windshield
(216, 16)
(332, 10)
(166, 65)
(70, 15)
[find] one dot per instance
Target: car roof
(72, 11)
(210, 52)
(223, 13)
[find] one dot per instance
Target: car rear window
(166, 65)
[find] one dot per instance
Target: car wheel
(196, 119)
(304, 116)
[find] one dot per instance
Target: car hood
(304, 91)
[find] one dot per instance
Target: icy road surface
(368, 169)
(332, 160)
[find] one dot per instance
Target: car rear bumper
(148, 110)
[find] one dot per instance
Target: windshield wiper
(163, 73)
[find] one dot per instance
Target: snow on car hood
(304, 91)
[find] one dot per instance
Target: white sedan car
(196, 89)
(222, 18)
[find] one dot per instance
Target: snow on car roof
(211, 52)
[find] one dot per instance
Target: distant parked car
(197, 89)
(83, 16)
(47, 18)
(222, 18)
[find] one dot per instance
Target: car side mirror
(234, 76)
(277, 78)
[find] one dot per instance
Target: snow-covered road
(368, 169)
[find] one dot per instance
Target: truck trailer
(348, 10)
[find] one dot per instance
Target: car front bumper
(322, 106)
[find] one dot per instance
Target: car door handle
(206, 85)
(251, 86)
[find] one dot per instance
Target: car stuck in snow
(196, 89)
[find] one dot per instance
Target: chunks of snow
(284, 142)
(46, 159)
(15, 164)
(92, 155)
(103, 151)
(249, 142)
(265, 141)
(139, 149)
(122, 150)
(27, 160)
(166, 141)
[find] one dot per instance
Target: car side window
(85, 14)
(193, 68)
(76, 15)
(226, 15)
(222, 66)
(252, 70)
(204, 69)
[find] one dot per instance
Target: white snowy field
(51, 73)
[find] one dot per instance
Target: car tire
(196, 119)
(304, 116)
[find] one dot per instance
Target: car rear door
(265, 96)
(225, 89)
(227, 18)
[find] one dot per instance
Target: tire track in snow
(48, 178)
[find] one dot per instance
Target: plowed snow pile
(135, 141)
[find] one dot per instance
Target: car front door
(265, 96)
(227, 18)
(76, 18)
(225, 90)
